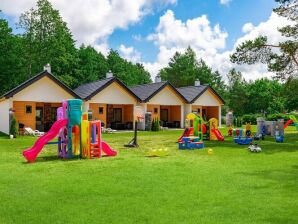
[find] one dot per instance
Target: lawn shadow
(42, 159)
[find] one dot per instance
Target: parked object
(29, 131)
(254, 148)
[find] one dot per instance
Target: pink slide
(31, 153)
(218, 134)
(107, 149)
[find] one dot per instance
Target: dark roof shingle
(145, 91)
(88, 89)
(192, 93)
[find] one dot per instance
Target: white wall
(113, 94)
(43, 90)
(207, 99)
(4, 116)
(166, 97)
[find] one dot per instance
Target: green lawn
(231, 186)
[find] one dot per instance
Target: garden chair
(29, 131)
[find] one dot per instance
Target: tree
(184, 69)
(11, 72)
(129, 73)
(280, 57)
(290, 91)
(48, 40)
(265, 96)
(237, 95)
(92, 65)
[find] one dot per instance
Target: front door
(117, 115)
(164, 116)
(39, 119)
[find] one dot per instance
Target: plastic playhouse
(192, 137)
(77, 137)
(195, 125)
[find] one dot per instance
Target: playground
(188, 186)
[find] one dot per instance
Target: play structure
(192, 137)
(292, 121)
(77, 136)
(272, 128)
(196, 130)
(196, 126)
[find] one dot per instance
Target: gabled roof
(146, 91)
(192, 93)
(88, 90)
(35, 78)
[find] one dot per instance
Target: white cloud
(173, 35)
(208, 42)
(130, 53)
(267, 28)
(91, 22)
(247, 27)
(137, 37)
(225, 2)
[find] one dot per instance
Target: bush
(13, 130)
(155, 125)
(275, 117)
(250, 118)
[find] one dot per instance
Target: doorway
(164, 115)
(117, 115)
(39, 119)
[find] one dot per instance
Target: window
(155, 110)
(28, 109)
(199, 110)
(100, 110)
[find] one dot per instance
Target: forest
(43, 37)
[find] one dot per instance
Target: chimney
(157, 78)
(109, 74)
(197, 82)
(47, 68)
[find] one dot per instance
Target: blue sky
(231, 18)
(150, 31)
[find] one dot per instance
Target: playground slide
(288, 123)
(185, 133)
(31, 153)
(107, 149)
(293, 118)
(218, 134)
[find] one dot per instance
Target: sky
(151, 31)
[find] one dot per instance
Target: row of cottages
(34, 102)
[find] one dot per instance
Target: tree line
(45, 38)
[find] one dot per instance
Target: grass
(231, 186)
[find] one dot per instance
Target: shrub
(250, 118)
(275, 117)
(155, 125)
(13, 130)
